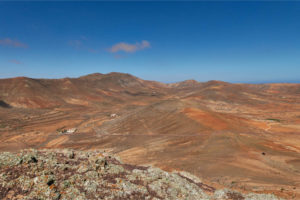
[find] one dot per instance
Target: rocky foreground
(68, 174)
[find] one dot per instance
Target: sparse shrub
(273, 119)
(61, 130)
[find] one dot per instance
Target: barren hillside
(241, 136)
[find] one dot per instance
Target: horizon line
(165, 82)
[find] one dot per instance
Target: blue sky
(163, 41)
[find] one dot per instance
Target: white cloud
(129, 48)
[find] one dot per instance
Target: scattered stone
(113, 115)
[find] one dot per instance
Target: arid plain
(242, 136)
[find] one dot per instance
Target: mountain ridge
(43, 93)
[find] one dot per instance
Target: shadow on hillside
(3, 104)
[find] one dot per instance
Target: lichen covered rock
(67, 174)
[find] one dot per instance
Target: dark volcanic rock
(3, 104)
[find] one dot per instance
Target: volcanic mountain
(242, 136)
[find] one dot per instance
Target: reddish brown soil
(235, 135)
